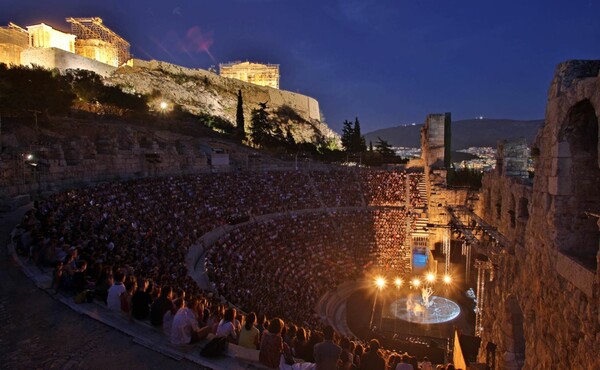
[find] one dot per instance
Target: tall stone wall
(56, 58)
(94, 152)
(512, 157)
(542, 307)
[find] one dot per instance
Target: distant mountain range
(465, 133)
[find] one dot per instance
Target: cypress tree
(239, 118)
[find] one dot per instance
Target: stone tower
(435, 140)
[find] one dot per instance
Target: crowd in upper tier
(135, 235)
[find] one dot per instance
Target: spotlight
(163, 105)
(380, 282)
(430, 277)
(398, 282)
(447, 279)
(416, 282)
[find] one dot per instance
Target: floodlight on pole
(398, 282)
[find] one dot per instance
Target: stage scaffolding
(93, 28)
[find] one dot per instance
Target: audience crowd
(125, 244)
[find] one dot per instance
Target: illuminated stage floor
(411, 309)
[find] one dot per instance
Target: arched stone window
(523, 208)
(513, 329)
(580, 174)
(512, 211)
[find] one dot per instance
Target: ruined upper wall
(57, 58)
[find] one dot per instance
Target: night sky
(387, 62)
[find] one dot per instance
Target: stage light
(163, 105)
(447, 279)
(430, 277)
(398, 282)
(416, 282)
(380, 282)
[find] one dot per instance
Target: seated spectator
(141, 301)
(130, 287)
(346, 357)
(249, 334)
(372, 360)
(227, 328)
(161, 306)
(404, 365)
(327, 353)
(426, 364)
(113, 300)
(271, 344)
(300, 344)
(185, 329)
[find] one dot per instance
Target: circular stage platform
(413, 310)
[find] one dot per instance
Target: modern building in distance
(255, 73)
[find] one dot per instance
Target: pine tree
(358, 141)
(370, 146)
(239, 118)
(384, 148)
(261, 127)
(347, 135)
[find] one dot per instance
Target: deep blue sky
(387, 62)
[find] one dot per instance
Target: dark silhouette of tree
(370, 146)
(239, 118)
(384, 148)
(347, 135)
(262, 128)
(87, 85)
(25, 89)
(358, 141)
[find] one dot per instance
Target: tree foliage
(384, 148)
(26, 89)
(352, 139)
(239, 118)
(264, 132)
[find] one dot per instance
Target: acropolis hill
(92, 46)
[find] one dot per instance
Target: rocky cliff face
(198, 91)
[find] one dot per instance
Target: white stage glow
(412, 309)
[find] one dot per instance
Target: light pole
(398, 284)
(380, 283)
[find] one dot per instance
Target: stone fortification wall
(542, 308)
(86, 154)
(56, 58)
(200, 91)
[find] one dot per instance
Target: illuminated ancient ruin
(13, 40)
(255, 73)
(44, 36)
(96, 41)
